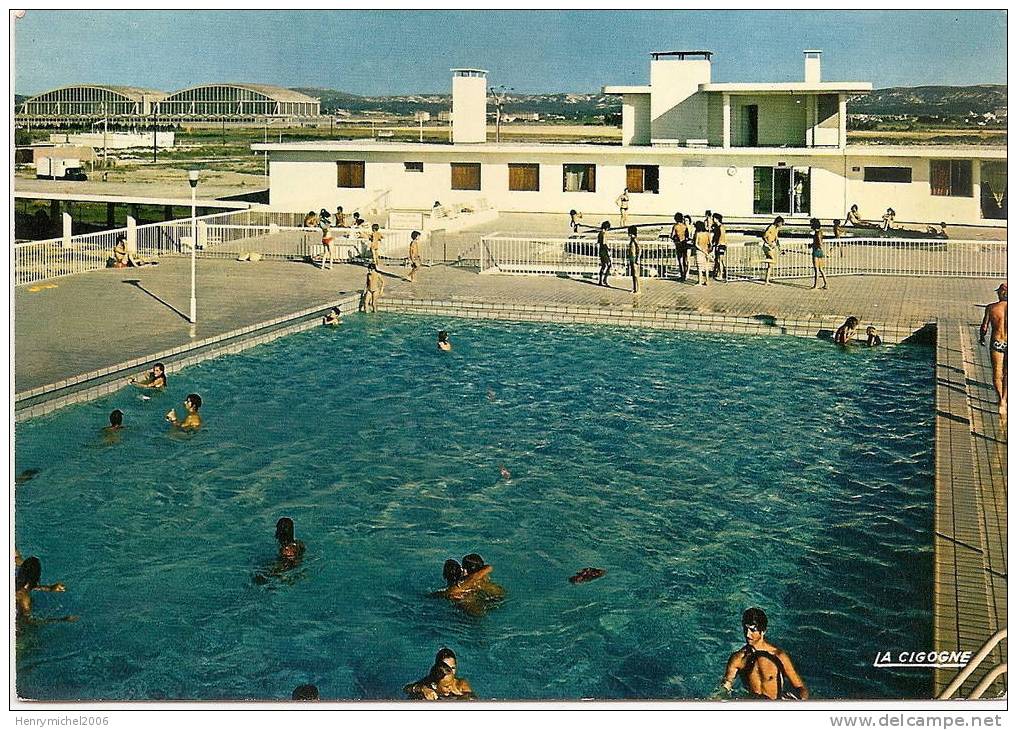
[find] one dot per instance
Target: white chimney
(813, 59)
(469, 105)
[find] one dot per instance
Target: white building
(687, 144)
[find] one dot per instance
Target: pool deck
(90, 322)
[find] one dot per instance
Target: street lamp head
(192, 178)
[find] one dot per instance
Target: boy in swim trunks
(765, 670)
(995, 319)
(414, 255)
(771, 246)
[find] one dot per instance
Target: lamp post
(192, 178)
(499, 100)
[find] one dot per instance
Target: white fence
(272, 234)
(744, 260)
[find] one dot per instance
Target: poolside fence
(273, 235)
(577, 256)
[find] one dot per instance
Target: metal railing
(745, 259)
(292, 242)
(973, 665)
(272, 234)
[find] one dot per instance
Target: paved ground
(95, 320)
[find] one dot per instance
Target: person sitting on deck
(888, 218)
(311, 219)
(122, 258)
(939, 232)
(766, 670)
(853, 218)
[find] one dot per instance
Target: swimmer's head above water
(754, 621)
(452, 572)
(472, 563)
(116, 418)
(284, 530)
(28, 574)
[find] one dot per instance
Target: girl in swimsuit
(818, 256)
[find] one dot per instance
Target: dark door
(752, 125)
(782, 190)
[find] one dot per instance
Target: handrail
(987, 681)
(972, 665)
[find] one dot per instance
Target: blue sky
(392, 52)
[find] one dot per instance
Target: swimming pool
(706, 473)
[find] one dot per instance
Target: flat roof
(680, 55)
(626, 89)
(593, 150)
(793, 87)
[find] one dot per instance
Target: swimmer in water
(192, 421)
(872, 338)
(154, 378)
(441, 681)
(333, 318)
(116, 421)
(766, 670)
(26, 580)
(443, 342)
(305, 693)
(26, 476)
(474, 565)
(290, 549)
(505, 473)
(846, 332)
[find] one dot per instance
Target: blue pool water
(706, 473)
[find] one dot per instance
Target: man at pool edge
(764, 668)
(192, 421)
(995, 317)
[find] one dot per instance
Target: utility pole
(499, 100)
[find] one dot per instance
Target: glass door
(782, 190)
(801, 193)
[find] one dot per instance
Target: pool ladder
(976, 661)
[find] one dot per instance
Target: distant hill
(947, 101)
(931, 100)
(570, 106)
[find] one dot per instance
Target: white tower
(813, 73)
(469, 105)
(677, 111)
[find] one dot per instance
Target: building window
(950, 177)
(414, 166)
(350, 174)
(466, 176)
(642, 178)
(524, 177)
(579, 178)
(888, 174)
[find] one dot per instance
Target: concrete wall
(912, 201)
(115, 140)
(303, 181)
(469, 109)
(677, 109)
(635, 119)
(781, 119)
